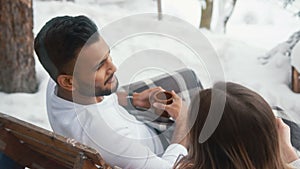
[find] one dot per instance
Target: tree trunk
(226, 20)
(295, 80)
(206, 14)
(16, 47)
(159, 10)
(58, 0)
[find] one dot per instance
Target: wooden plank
(87, 164)
(24, 155)
(82, 162)
(41, 134)
(57, 158)
(46, 149)
(49, 137)
(64, 158)
(295, 80)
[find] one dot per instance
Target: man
(82, 102)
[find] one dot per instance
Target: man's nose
(111, 66)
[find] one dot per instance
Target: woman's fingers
(154, 91)
(159, 106)
(173, 109)
(175, 96)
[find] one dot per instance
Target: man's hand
(143, 99)
(287, 151)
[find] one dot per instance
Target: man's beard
(101, 92)
(98, 91)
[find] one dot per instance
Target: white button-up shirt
(107, 127)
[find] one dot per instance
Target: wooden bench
(34, 147)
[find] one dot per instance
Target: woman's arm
(179, 112)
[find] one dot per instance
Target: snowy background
(255, 27)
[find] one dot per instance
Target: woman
(248, 135)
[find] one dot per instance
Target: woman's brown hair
(245, 138)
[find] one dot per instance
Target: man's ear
(66, 82)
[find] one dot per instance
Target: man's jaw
(113, 88)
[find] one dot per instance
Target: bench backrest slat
(61, 149)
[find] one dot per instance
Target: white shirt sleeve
(173, 151)
(296, 163)
(123, 150)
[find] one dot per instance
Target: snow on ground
(255, 28)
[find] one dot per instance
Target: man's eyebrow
(102, 61)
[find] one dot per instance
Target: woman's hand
(178, 111)
(287, 151)
(175, 109)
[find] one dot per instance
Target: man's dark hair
(60, 41)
